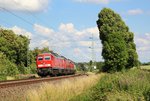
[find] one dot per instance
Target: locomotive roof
(56, 55)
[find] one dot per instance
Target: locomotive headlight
(48, 64)
(40, 65)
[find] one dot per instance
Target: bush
(33, 68)
(146, 94)
(7, 68)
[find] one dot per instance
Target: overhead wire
(21, 18)
(17, 16)
(28, 12)
(30, 23)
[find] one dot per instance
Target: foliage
(119, 50)
(14, 52)
(91, 66)
(16, 49)
(14, 46)
(147, 63)
(146, 94)
(99, 66)
(81, 67)
(7, 68)
(114, 53)
(33, 68)
(132, 85)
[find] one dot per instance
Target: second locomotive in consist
(52, 64)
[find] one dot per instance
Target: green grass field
(146, 67)
(132, 85)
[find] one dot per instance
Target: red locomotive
(52, 64)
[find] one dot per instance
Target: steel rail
(13, 83)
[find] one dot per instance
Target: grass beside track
(63, 91)
(132, 85)
(146, 67)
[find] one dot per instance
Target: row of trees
(119, 50)
(14, 46)
(13, 53)
(15, 56)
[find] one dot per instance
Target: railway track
(13, 83)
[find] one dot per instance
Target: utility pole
(28, 55)
(92, 53)
(92, 47)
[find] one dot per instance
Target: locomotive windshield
(47, 57)
(40, 58)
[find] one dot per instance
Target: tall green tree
(14, 46)
(119, 50)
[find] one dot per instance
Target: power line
(17, 16)
(28, 58)
(21, 18)
(27, 10)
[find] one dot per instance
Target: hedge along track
(13, 83)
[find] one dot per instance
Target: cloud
(69, 27)
(65, 42)
(96, 1)
(88, 32)
(142, 41)
(44, 43)
(67, 39)
(135, 12)
(77, 50)
(81, 54)
(42, 30)
(74, 43)
(24, 5)
(143, 47)
(85, 43)
(21, 31)
(147, 35)
(67, 34)
(93, 30)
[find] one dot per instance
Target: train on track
(53, 64)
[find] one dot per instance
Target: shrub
(146, 94)
(7, 68)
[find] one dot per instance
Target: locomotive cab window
(40, 58)
(47, 57)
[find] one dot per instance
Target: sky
(68, 27)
